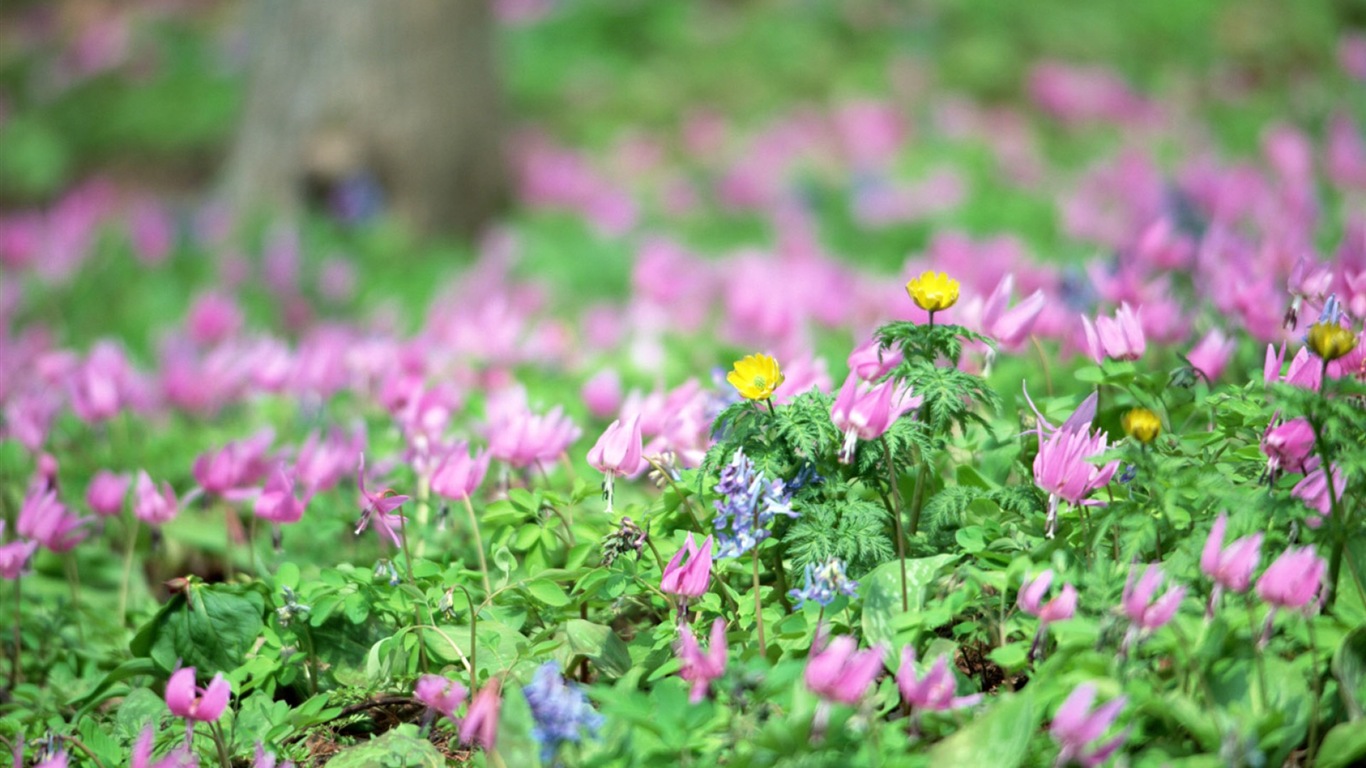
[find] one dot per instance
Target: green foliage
(853, 530)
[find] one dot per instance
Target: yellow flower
(1143, 425)
(756, 376)
(1331, 341)
(933, 291)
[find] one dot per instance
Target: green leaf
(127, 669)
(999, 738)
(881, 591)
(1012, 656)
(213, 635)
(548, 592)
(1344, 746)
(597, 643)
(401, 746)
(1349, 666)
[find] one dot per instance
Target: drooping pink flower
(213, 317)
(602, 393)
(45, 519)
(153, 505)
(1146, 613)
(442, 694)
(323, 461)
(689, 579)
(458, 474)
(1293, 579)
(379, 508)
(56, 759)
(935, 691)
(14, 556)
(179, 757)
(1030, 600)
(1076, 726)
(870, 362)
(864, 412)
(1010, 326)
(839, 672)
(1211, 355)
(277, 502)
(522, 438)
(106, 492)
(231, 471)
(97, 387)
(1288, 445)
(1314, 492)
(617, 452)
(698, 667)
(1230, 567)
(187, 700)
(1118, 338)
(1063, 468)
(480, 726)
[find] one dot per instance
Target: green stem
(312, 660)
(73, 580)
(417, 611)
(896, 522)
(1257, 651)
(1340, 525)
(918, 500)
(127, 571)
(424, 510)
(758, 604)
(1318, 692)
(16, 674)
(78, 744)
(217, 732)
(478, 544)
(474, 642)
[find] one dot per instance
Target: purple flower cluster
(561, 710)
(747, 507)
(823, 583)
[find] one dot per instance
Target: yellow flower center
(755, 377)
(1142, 425)
(1331, 341)
(933, 291)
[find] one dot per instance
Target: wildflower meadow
(848, 384)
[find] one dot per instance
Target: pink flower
(690, 579)
(441, 694)
(323, 462)
(1059, 608)
(934, 692)
(1230, 567)
(231, 471)
(1063, 468)
(191, 702)
(839, 672)
(458, 474)
(57, 759)
(97, 387)
(213, 317)
(1010, 326)
(152, 505)
(701, 668)
(865, 412)
(1313, 490)
(379, 507)
(1075, 726)
(1118, 338)
(1288, 445)
(106, 492)
(870, 362)
(602, 393)
(1293, 580)
(1146, 614)
(45, 520)
(14, 556)
(1211, 355)
(180, 757)
(617, 451)
(480, 726)
(522, 438)
(277, 502)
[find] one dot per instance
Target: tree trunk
(399, 93)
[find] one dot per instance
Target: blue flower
(747, 507)
(561, 710)
(822, 583)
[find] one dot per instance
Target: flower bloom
(692, 578)
(1293, 580)
(1146, 613)
(756, 377)
(1230, 567)
(1211, 355)
(933, 291)
(522, 438)
(1030, 600)
(441, 694)
(1331, 341)
(1010, 326)
(1075, 727)
(1288, 445)
(106, 492)
(46, 520)
(864, 412)
(821, 584)
(14, 556)
(180, 757)
(191, 702)
(871, 362)
(747, 506)
(1062, 467)
(933, 692)
(1118, 338)
(560, 709)
(840, 672)
(617, 452)
(480, 725)
(458, 474)
(701, 668)
(1313, 490)
(277, 502)
(231, 471)
(152, 505)
(1142, 424)
(379, 507)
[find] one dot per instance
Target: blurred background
(356, 153)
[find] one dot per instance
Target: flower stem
(78, 744)
(896, 522)
(424, 509)
(1257, 651)
(1318, 691)
(759, 605)
(217, 732)
(1340, 525)
(474, 642)
(478, 545)
(73, 580)
(127, 571)
(16, 674)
